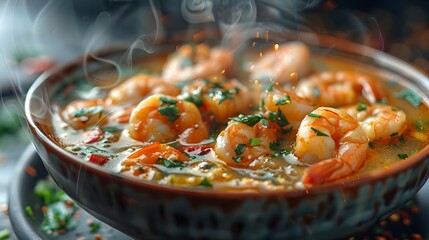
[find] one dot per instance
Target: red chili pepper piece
(93, 135)
(98, 159)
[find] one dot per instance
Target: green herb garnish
(275, 146)
(237, 159)
(196, 99)
(283, 101)
(281, 153)
(394, 134)
(412, 97)
(170, 111)
(29, 211)
(403, 156)
(206, 183)
(221, 94)
(420, 125)
(110, 129)
(239, 149)
(314, 115)
(94, 227)
(170, 163)
(254, 141)
(371, 145)
(250, 120)
(4, 234)
(280, 118)
(167, 100)
(319, 133)
(362, 106)
(88, 112)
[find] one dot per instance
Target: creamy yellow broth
(205, 170)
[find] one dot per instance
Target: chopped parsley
(249, 120)
(279, 118)
(93, 227)
(420, 125)
(110, 129)
(254, 141)
(282, 152)
(170, 111)
(29, 211)
(205, 183)
(239, 149)
(88, 112)
(194, 98)
(319, 133)
(275, 146)
(269, 87)
(371, 145)
(170, 163)
(314, 115)
(237, 159)
(403, 156)
(167, 100)
(362, 107)
(222, 94)
(283, 101)
(394, 134)
(4, 234)
(412, 97)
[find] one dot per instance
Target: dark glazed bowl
(145, 210)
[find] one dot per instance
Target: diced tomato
(98, 159)
(151, 153)
(93, 135)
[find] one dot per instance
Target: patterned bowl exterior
(148, 211)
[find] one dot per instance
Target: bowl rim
(342, 185)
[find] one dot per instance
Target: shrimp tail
(324, 171)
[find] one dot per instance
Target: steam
(197, 11)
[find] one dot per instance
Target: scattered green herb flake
(254, 141)
(221, 94)
(283, 101)
(29, 212)
(381, 101)
(401, 139)
(206, 183)
(420, 125)
(316, 92)
(314, 115)
(237, 159)
(412, 97)
(250, 120)
(371, 145)
(94, 227)
(275, 146)
(272, 116)
(196, 99)
(362, 106)
(403, 156)
(281, 119)
(319, 133)
(189, 155)
(270, 87)
(88, 112)
(265, 122)
(394, 134)
(170, 163)
(281, 153)
(110, 129)
(168, 100)
(239, 149)
(4, 234)
(170, 111)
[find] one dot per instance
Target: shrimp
(159, 118)
(287, 63)
(138, 87)
(339, 88)
(333, 143)
(218, 99)
(379, 121)
(285, 108)
(239, 144)
(197, 61)
(82, 114)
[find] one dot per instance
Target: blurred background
(39, 34)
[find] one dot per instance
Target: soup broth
(218, 131)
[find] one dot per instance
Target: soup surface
(282, 119)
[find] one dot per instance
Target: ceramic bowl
(145, 210)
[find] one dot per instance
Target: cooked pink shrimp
(333, 143)
(239, 144)
(82, 114)
(379, 121)
(221, 99)
(279, 100)
(197, 61)
(160, 118)
(339, 88)
(287, 63)
(138, 87)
